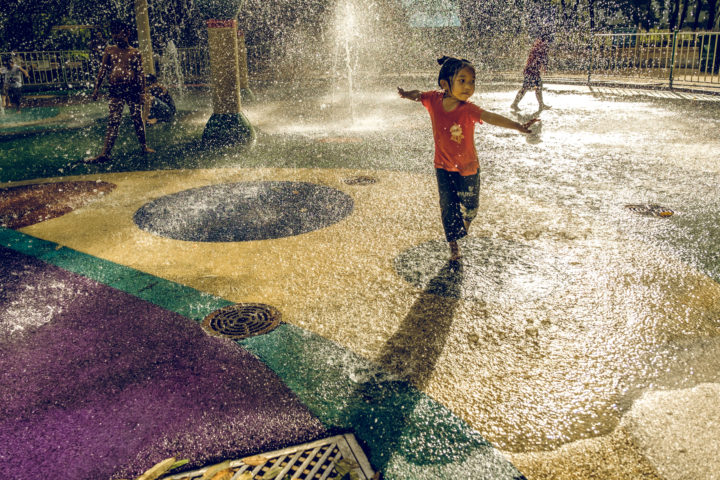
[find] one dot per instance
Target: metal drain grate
(650, 210)
(242, 320)
(329, 458)
(361, 180)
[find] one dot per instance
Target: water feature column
(227, 125)
(243, 70)
(142, 21)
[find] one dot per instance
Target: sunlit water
(604, 303)
(570, 305)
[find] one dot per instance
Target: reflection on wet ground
(568, 308)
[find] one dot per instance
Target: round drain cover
(244, 211)
(361, 180)
(650, 210)
(242, 320)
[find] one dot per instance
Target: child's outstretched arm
(410, 94)
(500, 121)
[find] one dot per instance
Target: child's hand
(525, 127)
(410, 95)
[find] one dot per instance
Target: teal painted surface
(406, 434)
(172, 296)
(9, 121)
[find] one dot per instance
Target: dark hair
(118, 26)
(450, 67)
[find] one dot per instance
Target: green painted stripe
(172, 296)
(408, 434)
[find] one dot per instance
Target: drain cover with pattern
(361, 180)
(334, 457)
(242, 320)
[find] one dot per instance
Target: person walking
(536, 64)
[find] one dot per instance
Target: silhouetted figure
(162, 106)
(123, 65)
(537, 62)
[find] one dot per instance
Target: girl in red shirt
(456, 161)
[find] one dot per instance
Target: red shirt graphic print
(454, 134)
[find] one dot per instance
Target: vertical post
(142, 20)
(227, 124)
(672, 59)
(243, 66)
(590, 57)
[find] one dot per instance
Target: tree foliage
(27, 24)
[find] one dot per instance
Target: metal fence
(673, 58)
(65, 68)
(678, 58)
(194, 65)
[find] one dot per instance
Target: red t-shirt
(454, 134)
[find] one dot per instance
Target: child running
(123, 65)
(456, 160)
(537, 62)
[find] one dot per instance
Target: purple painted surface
(98, 384)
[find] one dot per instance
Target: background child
(537, 62)
(123, 65)
(13, 83)
(3, 87)
(456, 161)
(162, 106)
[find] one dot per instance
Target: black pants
(459, 197)
(15, 96)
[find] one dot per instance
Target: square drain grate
(329, 458)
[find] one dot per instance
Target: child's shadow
(412, 352)
(405, 366)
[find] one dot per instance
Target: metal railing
(194, 65)
(673, 57)
(68, 68)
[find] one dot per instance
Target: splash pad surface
(607, 305)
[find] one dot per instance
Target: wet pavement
(575, 336)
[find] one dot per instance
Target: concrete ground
(578, 338)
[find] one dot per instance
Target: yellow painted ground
(528, 376)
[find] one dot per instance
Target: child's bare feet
(148, 150)
(455, 254)
(102, 158)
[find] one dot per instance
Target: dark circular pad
(237, 212)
